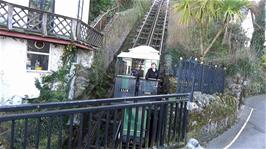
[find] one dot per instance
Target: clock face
(39, 44)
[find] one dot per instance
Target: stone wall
(212, 115)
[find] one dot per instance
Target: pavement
(249, 132)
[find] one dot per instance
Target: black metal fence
(139, 122)
(206, 78)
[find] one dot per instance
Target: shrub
(55, 86)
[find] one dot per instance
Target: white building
(32, 41)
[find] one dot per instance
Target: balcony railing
(32, 21)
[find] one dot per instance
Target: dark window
(37, 55)
(45, 5)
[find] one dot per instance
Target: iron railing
(32, 21)
(139, 122)
(205, 78)
(101, 21)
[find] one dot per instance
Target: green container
(132, 122)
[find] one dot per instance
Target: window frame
(39, 53)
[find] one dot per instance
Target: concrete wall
(15, 80)
(63, 7)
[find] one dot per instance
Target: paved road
(254, 134)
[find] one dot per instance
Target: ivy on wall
(55, 86)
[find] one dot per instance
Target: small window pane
(37, 62)
(38, 46)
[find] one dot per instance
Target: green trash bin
(132, 124)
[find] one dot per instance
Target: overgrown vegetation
(102, 78)
(224, 35)
(97, 7)
(258, 37)
(56, 85)
(206, 14)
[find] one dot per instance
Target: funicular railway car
(130, 81)
(132, 67)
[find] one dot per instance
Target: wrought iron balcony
(35, 22)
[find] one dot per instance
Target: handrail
(60, 26)
(85, 102)
(103, 15)
(86, 109)
(112, 123)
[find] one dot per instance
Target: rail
(36, 22)
(152, 31)
(103, 20)
(138, 122)
(146, 17)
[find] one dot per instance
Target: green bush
(55, 86)
(252, 71)
(263, 61)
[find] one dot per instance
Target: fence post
(223, 79)
(74, 24)
(201, 76)
(44, 23)
(179, 79)
(10, 17)
(78, 30)
(193, 81)
(216, 79)
(208, 79)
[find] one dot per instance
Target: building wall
(63, 7)
(19, 2)
(15, 80)
(70, 8)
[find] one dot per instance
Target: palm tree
(205, 12)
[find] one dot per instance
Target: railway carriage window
(37, 55)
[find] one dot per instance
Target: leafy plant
(55, 86)
(206, 12)
(263, 61)
(258, 36)
(99, 6)
(251, 70)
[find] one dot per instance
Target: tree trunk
(213, 41)
(225, 38)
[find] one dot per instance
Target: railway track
(152, 30)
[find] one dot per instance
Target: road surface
(253, 134)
